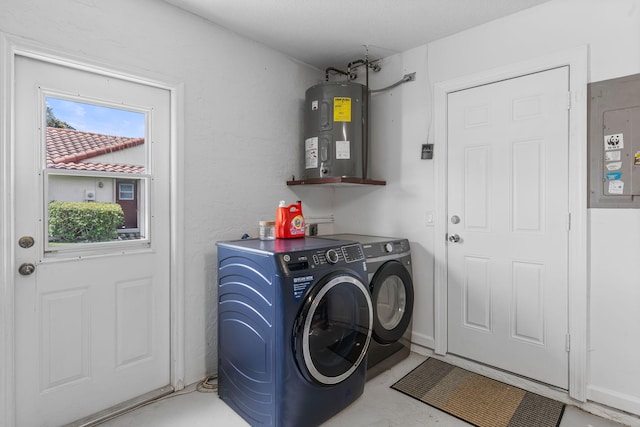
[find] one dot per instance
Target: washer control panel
(339, 255)
(332, 256)
(352, 253)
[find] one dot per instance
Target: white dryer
(390, 278)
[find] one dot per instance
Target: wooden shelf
(337, 181)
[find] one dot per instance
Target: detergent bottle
(289, 221)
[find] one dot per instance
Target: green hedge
(84, 221)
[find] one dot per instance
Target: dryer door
(333, 329)
(392, 295)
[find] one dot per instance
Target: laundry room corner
(250, 281)
(401, 123)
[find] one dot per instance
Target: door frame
(577, 61)
(11, 47)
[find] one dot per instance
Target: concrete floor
(379, 406)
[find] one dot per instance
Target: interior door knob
(26, 269)
(454, 238)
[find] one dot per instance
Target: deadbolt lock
(26, 242)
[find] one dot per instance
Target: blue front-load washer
(294, 324)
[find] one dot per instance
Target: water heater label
(343, 150)
(311, 153)
(341, 109)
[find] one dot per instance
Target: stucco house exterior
(91, 167)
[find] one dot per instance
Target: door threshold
(121, 408)
(511, 378)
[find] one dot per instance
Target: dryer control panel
(380, 249)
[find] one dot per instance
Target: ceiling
(332, 33)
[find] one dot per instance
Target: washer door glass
(392, 295)
(335, 326)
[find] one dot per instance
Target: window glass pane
(88, 137)
(96, 163)
(126, 192)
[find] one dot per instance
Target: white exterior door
(507, 225)
(93, 318)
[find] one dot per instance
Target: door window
(90, 148)
(126, 192)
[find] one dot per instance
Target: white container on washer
(267, 230)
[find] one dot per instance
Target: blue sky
(98, 119)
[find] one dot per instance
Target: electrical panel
(614, 143)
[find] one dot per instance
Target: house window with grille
(126, 192)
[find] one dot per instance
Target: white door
(92, 319)
(507, 223)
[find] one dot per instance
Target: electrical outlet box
(427, 152)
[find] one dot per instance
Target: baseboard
(615, 399)
(422, 340)
(121, 408)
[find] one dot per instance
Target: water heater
(334, 125)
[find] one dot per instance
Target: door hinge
(568, 221)
(569, 96)
(567, 342)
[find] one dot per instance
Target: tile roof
(67, 148)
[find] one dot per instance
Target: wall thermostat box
(614, 143)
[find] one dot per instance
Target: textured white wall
(614, 346)
(401, 122)
(73, 189)
(243, 114)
